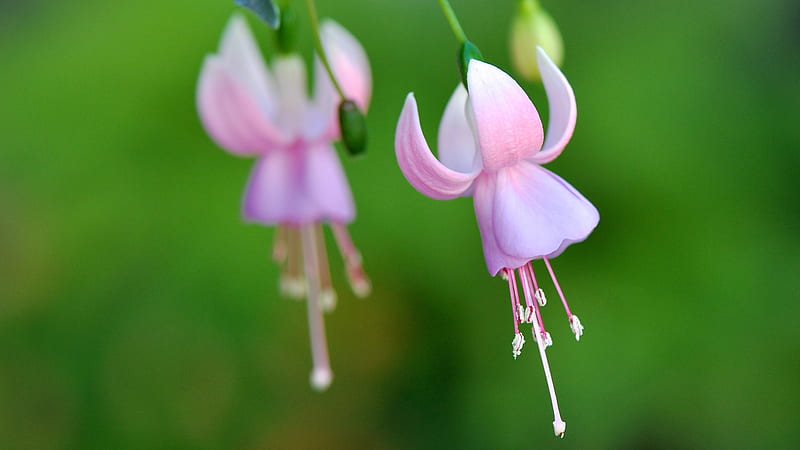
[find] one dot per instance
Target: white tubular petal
(456, 142)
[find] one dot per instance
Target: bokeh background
(138, 311)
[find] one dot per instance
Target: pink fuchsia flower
(491, 147)
(297, 183)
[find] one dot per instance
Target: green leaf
(266, 10)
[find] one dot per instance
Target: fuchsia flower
(491, 147)
(297, 182)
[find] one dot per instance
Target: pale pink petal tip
(321, 379)
(506, 123)
(422, 170)
(349, 62)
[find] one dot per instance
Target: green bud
(286, 35)
(530, 27)
(354, 128)
(467, 52)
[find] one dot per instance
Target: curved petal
(536, 213)
(420, 167)
(496, 259)
(563, 112)
(507, 126)
(229, 113)
(328, 189)
(350, 65)
(456, 143)
(240, 52)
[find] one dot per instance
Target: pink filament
(512, 290)
(558, 287)
(526, 273)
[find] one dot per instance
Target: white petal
(456, 142)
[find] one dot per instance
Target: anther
(540, 297)
(517, 343)
(327, 300)
(575, 325)
(547, 340)
(529, 315)
(292, 286)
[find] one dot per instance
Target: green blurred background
(138, 311)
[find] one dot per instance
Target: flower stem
(312, 14)
(453, 21)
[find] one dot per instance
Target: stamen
(292, 283)
(327, 296)
(279, 250)
(517, 343)
(559, 426)
(519, 340)
(321, 375)
(540, 297)
(352, 261)
(539, 293)
(525, 273)
(575, 324)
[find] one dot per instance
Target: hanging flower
(491, 147)
(297, 183)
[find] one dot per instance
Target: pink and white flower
(297, 182)
(491, 147)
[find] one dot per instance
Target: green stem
(312, 14)
(453, 21)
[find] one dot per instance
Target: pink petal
(563, 112)
(456, 143)
(298, 186)
(420, 167)
(348, 61)
(496, 259)
(350, 65)
(229, 113)
(328, 189)
(274, 192)
(507, 125)
(536, 213)
(239, 50)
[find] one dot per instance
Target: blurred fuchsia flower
(491, 148)
(297, 182)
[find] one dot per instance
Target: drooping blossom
(297, 183)
(491, 147)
